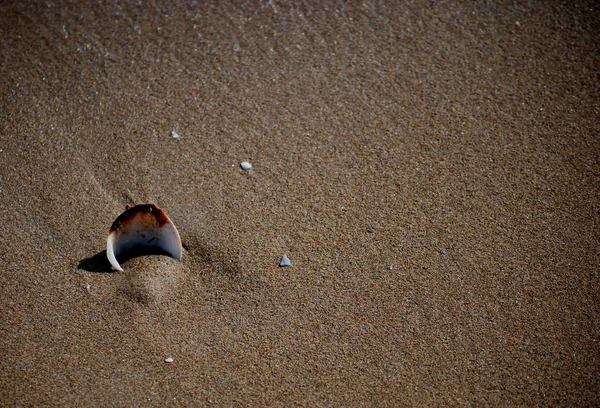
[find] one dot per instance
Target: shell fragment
(143, 225)
(285, 261)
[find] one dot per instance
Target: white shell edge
(110, 253)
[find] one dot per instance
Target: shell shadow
(99, 263)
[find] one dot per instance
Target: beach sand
(432, 171)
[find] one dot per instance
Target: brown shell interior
(148, 214)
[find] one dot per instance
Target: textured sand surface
(432, 171)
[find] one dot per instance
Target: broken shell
(143, 225)
(285, 261)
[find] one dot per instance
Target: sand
(431, 170)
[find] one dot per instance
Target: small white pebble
(88, 287)
(174, 134)
(246, 165)
(285, 261)
(169, 360)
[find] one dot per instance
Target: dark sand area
(432, 170)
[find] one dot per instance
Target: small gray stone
(169, 360)
(285, 261)
(246, 165)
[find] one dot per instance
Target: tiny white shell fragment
(246, 165)
(169, 360)
(174, 134)
(285, 261)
